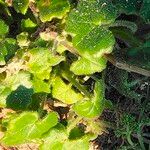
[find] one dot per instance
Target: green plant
(43, 64)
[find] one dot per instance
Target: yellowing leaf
(50, 9)
(41, 61)
(64, 92)
(27, 126)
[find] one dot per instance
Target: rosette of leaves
(88, 26)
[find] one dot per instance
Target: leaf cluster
(48, 50)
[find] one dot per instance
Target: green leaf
(3, 53)
(41, 61)
(89, 14)
(11, 46)
(21, 6)
(11, 83)
(55, 138)
(145, 10)
(80, 67)
(26, 127)
(127, 6)
(4, 28)
(40, 86)
(22, 39)
(4, 92)
(7, 50)
(43, 126)
(27, 23)
(20, 99)
(88, 25)
(94, 107)
(76, 133)
(79, 144)
(50, 9)
(64, 92)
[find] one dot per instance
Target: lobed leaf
(26, 126)
(79, 67)
(64, 92)
(50, 9)
(55, 138)
(81, 143)
(90, 108)
(41, 61)
(88, 25)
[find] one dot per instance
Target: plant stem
(134, 42)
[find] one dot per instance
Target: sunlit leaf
(27, 23)
(81, 143)
(22, 39)
(40, 86)
(27, 126)
(55, 138)
(41, 61)
(80, 67)
(50, 9)
(64, 92)
(90, 37)
(11, 83)
(91, 108)
(4, 28)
